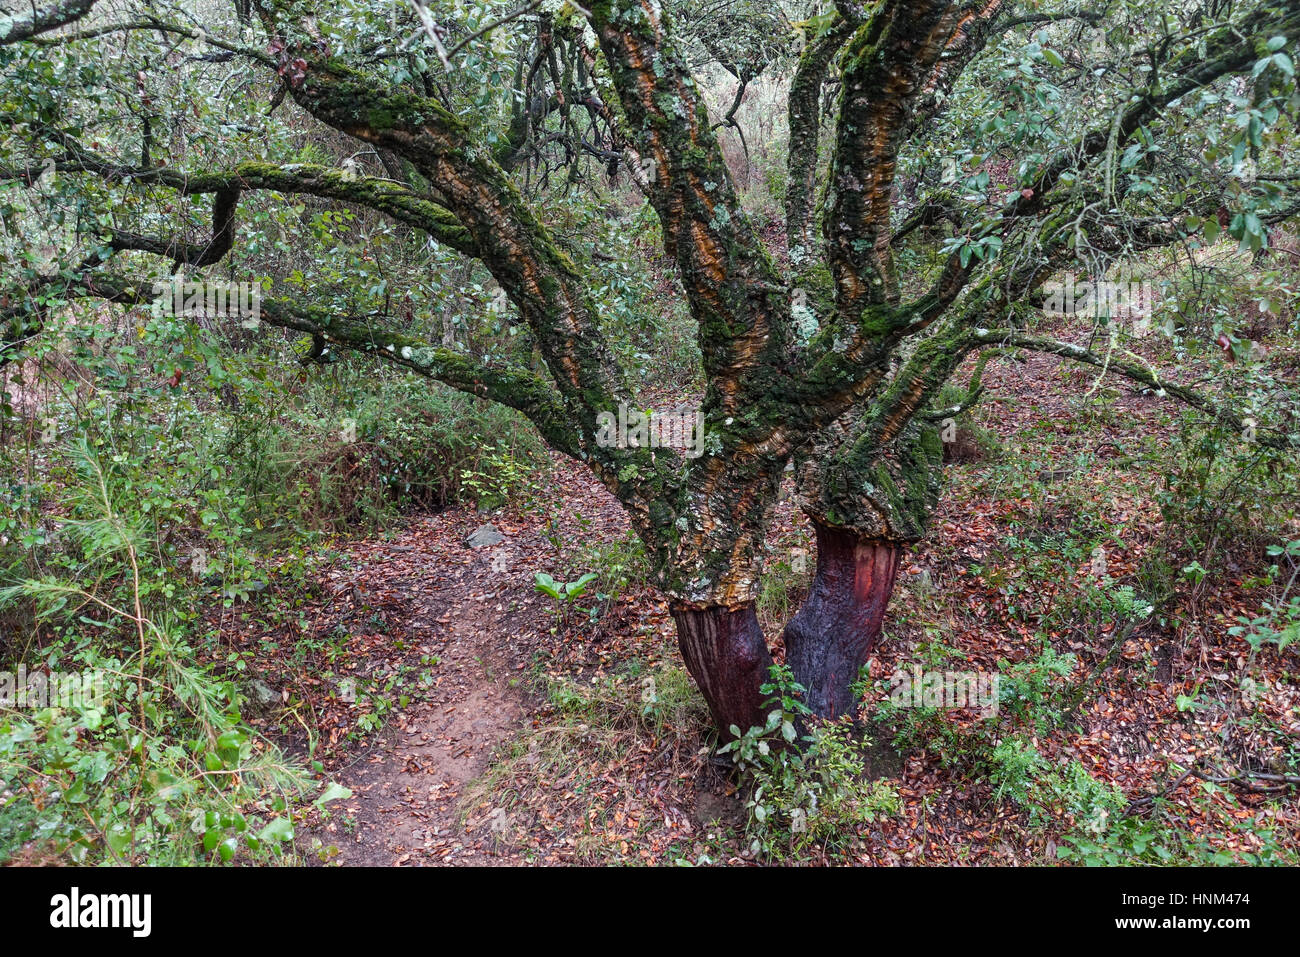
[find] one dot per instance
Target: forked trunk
(829, 638)
(726, 654)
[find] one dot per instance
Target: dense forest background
(301, 467)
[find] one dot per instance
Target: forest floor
(474, 726)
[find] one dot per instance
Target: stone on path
(485, 535)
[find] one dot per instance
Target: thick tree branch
(35, 17)
(805, 133)
(736, 295)
(885, 67)
(976, 24)
(155, 25)
(385, 196)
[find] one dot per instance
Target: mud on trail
(407, 788)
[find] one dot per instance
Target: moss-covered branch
(36, 17)
(511, 241)
(977, 22)
(736, 294)
(885, 66)
(393, 199)
(804, 110)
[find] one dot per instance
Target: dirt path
(408, 786)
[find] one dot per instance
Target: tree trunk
(829, 638)
(726, 654)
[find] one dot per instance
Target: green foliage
(564, 594)
(1066, 792)
(163, 770)
(499, 479)
(1222, 489)
(1015, 766)
(1279, 625)
(1159, 836)
(1032, 692)
(659, 699)
(814, 793)
(205, 483)
(1033, 698)
(619, 565)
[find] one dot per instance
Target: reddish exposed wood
(727, 656)
(829, 638)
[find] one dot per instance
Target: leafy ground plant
(159, 769)
(816, 795)
(564, 594)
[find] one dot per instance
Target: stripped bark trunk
(829, 638)
(826, 642)
(726, 654)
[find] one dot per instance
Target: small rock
(264, 696)
(484, 536)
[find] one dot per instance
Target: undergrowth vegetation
(136, 503)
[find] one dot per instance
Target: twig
(526, 8)
(1244, 780)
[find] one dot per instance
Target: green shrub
(809, 791)
(161, 769)
(1237, 835)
